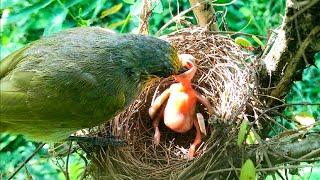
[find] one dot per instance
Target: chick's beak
(187, 62)
(182, 70)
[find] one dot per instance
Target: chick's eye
(189, 65)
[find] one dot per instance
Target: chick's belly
(177, 121)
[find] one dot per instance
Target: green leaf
(157, 7)
(116, 24)
(7, 3)
(135, 10)
(248, 171)
(242, 42)
(304, 118)
(5, 40)
(257, 40)
(245, 11)
(114, 9)
(251, 138)
(71, 3)
(56, 22)
(27, 11)
(129, 1)
(126, 21)
(87, 9)
(242, 132)
(6, 139)
(98, 8)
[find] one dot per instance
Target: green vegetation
(24, 21)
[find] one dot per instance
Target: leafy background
(24, 21)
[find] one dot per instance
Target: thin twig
(177, 17)
(284, 105)
(309, 5)
(267, 169)
(27, 160)
(67, 162)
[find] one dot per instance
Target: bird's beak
(183, 69)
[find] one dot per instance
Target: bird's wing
(14, 102)
(66, 82)
(10, 62)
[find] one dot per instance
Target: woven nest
(223, 77)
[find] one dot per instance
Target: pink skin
(179, 112)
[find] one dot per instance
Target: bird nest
(223, 77)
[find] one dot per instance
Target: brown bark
(144, 17)
(205, 14)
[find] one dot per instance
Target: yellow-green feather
(77, 79)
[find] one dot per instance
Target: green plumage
(77, 79)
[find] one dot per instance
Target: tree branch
(293, 42)
(205, 14)
(293, 65)
(285, 152)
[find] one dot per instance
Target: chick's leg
(157, 134)
(158, 103)
(155, 124)
(205, 102)
(196, 141)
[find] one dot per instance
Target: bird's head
(153, 57)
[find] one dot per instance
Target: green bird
(77, 79)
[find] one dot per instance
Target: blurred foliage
(24, 21)
(15, 149)
(305, 91)
(307, 173)
(254, 17)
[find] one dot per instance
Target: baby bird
(179, 113)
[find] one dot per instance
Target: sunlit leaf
(114, 9)
(242, 132)
(157, 7)
(5, 40)
(116, 24)
(135, 10)
(251, 138)
(242, 42)
(304, 118)
(27, 11)
(248, 171)
(56, 22)
(98, 8)
(126, 21)
(129, 1)
(245, 11)
(71, 3)
(87, 9)
(6, 139)
(8, 3)
(257, 40)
